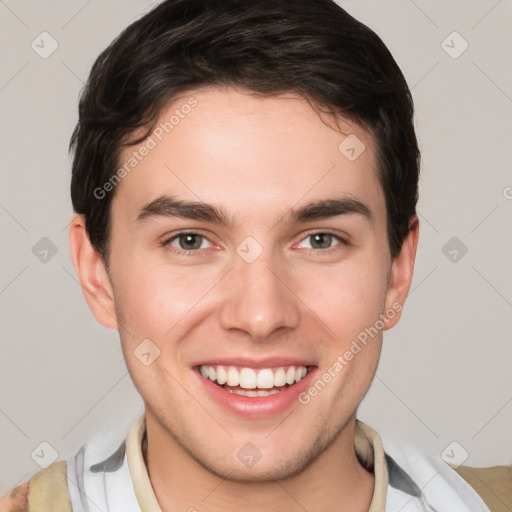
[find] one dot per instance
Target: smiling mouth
(251, 382)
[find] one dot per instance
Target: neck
(335, 480)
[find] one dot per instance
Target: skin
(257, 158)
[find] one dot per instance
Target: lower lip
(258, 406)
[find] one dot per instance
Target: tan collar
(370, 453)
(367, 444)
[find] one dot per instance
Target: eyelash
(197, 252)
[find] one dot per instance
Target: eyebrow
(170, 206)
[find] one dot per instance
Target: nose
(259, 301)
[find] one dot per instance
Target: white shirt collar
(367, 444)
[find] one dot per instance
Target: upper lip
(245, 362)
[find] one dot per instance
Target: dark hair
(268, 47)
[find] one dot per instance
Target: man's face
(265, 292)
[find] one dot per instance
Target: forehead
(252, 154)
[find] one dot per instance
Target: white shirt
(110, 474)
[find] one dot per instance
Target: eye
(186, 242)
(192, 244)
(323, 241)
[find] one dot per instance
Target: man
(244, 180)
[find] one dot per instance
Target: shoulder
(16, 500)
(493, 484)
(46, 491)
(434, 479)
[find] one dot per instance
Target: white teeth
(264, 379)
(290, 375)
(247, 378)
(280, 377)
(233, 377)
(222, 376)
(252, 393)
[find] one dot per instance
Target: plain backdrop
(444, 375)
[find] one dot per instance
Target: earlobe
(401, 272)
(94, 279)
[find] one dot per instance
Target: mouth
(251, 382)
(252, 392)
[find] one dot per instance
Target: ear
(94, 279)
(401, 273)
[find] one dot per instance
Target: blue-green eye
(187, 242)
(323, 241)
(192, 244)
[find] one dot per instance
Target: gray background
(445, 370)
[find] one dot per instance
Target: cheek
(348, 298)
(153, 298)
